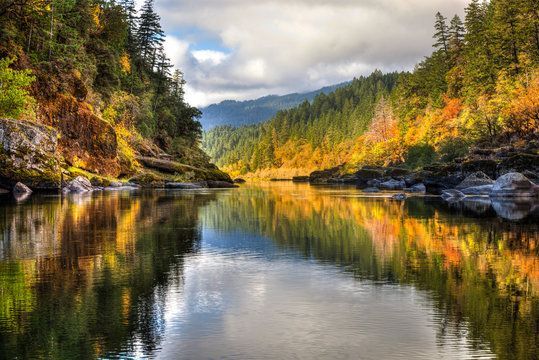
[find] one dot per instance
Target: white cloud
(209, 56)
(280, 46)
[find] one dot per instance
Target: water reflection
(87, 276)
(276, 270)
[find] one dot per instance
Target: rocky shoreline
(31, 160)
(506, 178)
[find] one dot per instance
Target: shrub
(14, 96)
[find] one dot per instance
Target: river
(266, 271)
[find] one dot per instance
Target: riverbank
(32, 158)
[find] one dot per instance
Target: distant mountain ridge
(238, 113)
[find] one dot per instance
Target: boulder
(21, 192)
(514, 185)
(478, 190)
(183, 186)
(478, 178)
(417, 188)
(28, 154)
(371, 190)
(393, 185)
(21, 189)
(80, 184)
(242, 181)
(452, 195)
(399, 197)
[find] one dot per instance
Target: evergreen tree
(150, 35)
(441, 35)
(131, 18)
(456, 35)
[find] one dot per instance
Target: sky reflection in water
(265, 271)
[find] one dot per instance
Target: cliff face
(28, 153)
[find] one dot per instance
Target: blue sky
(244, 49)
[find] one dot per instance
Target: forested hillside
(96, 72)
(304, 137)
(480, 87)
(238, 113)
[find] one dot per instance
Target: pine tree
(456, 35)
(131, 18)
(150, 35)
(177, 83)
(479, 69)
(441, 35)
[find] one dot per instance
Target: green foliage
(97, 51)
(14, 95)
(453, 149)
(327, 121)
(420, 155)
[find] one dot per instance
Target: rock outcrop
(393, 184)
(21, 190)
(28, 154)
(80, 184)
(476, 179)
(514, 185)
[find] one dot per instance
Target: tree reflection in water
(82, 277)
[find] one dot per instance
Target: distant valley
(238, 113)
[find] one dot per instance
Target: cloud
(279, 46)
(209, 56)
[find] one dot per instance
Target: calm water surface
(267, 271)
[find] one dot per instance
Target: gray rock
(417, 188)
(452, 195)
(514, 185)
(371, 190)
(297, 179)
(80, 184)
(20, 189)
(478, 190)
(28, 153)
(399, 196)
(393, 185)
(183, 186)
(478, 178)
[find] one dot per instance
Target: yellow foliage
(96, 15)
(125, 63)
